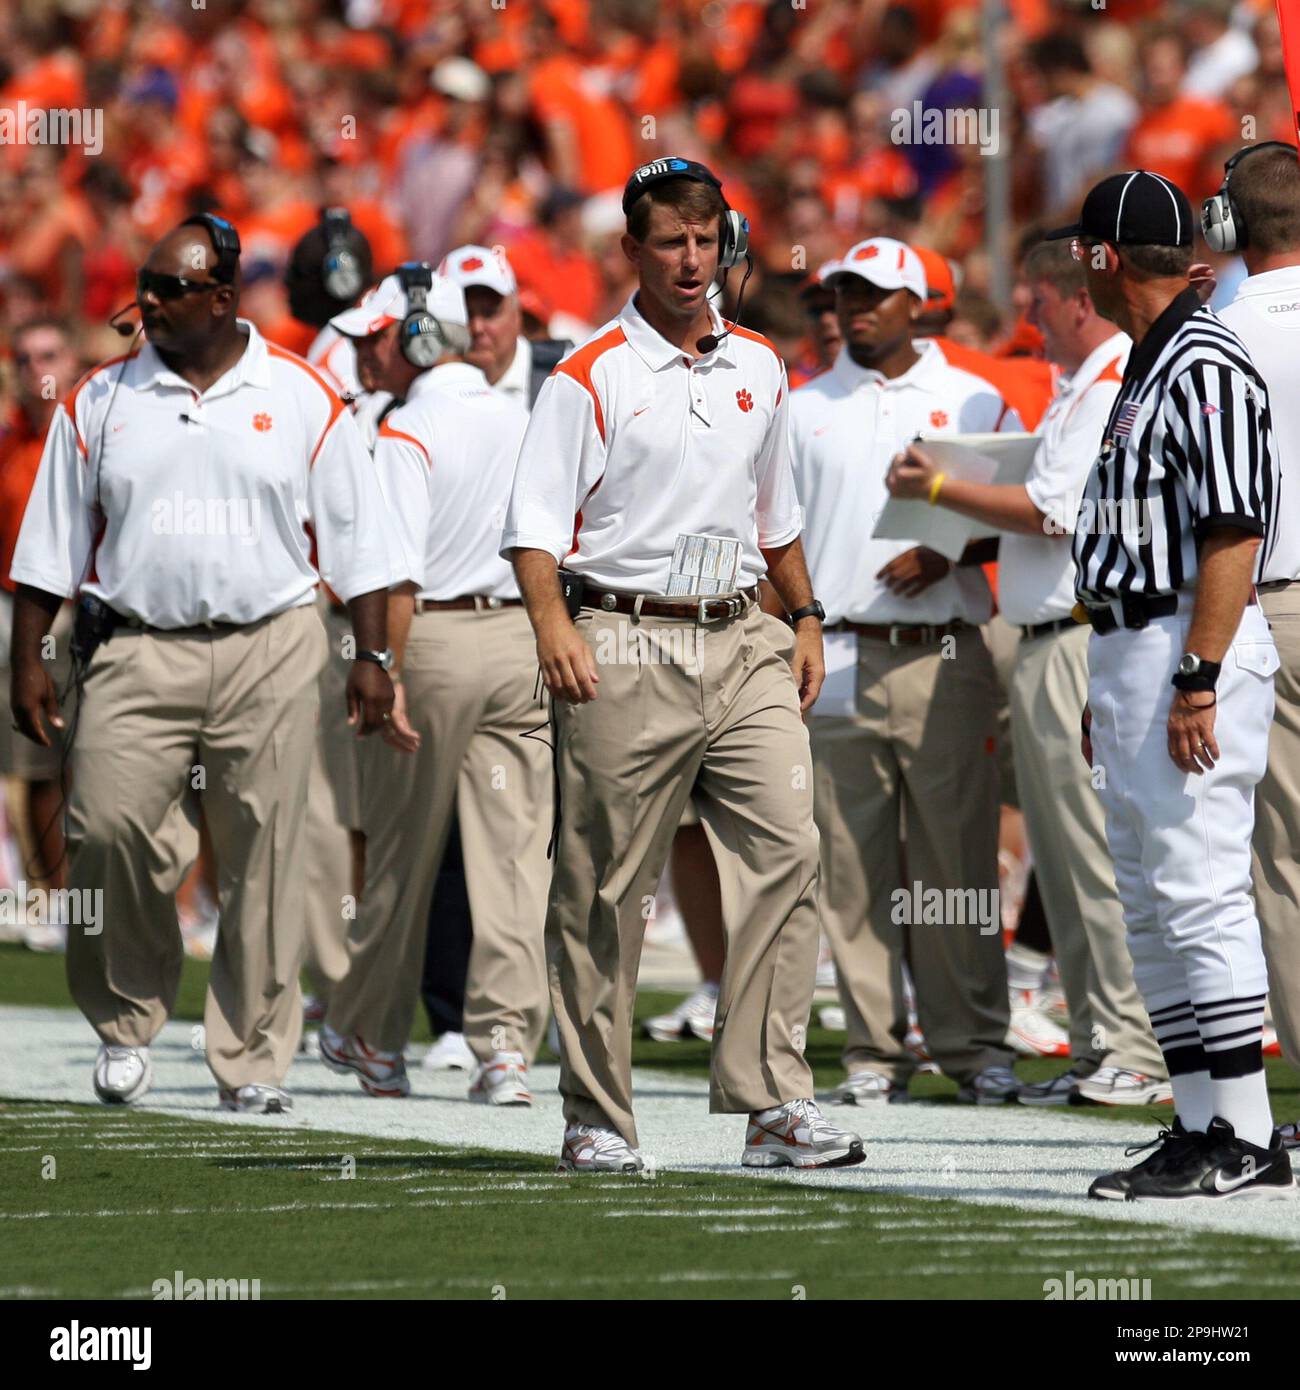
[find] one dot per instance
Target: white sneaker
(450, 1053)
(381, 1074)
(831, 1017)
(798, 1135)
(122, 1074)
(992, 1086)
(1119, 1086)
(595, 1149)
(692, 1017)
(46, 937)
(255, 1099)
(866, 1087)
(502, 1081)
(1031, 1032)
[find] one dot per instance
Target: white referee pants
(1181, 843)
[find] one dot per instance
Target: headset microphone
(124, 329)
(709, 341)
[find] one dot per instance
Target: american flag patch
(1125, 419)
(1209, 408)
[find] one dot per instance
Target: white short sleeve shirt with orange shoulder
(633, 443)
(181, 508)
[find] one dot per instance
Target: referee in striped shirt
(1175, 519)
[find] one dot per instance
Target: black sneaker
(1172, 1149)
(1234, 1168)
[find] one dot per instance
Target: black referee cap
(1138, 208)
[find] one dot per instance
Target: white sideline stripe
(729, 1228)
(1035, 1160)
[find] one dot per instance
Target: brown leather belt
(901, 634)
(700, 610)
(482, 603)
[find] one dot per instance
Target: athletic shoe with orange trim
(380, 1073)
(595, 1149)
(502, 1081)
(798, 1135)
(255, 1099)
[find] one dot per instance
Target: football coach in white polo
(656, 470)
(180, 493)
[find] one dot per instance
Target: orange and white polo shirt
(633, 443)
(179, 507)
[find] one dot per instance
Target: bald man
(180, 493)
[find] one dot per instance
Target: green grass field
(138, 1196)
(134, 1196)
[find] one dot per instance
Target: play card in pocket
(704, 565)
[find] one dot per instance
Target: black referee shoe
(1215, 1164)
(1173, 1148)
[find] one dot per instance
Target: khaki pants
(681, 707)
(918, 758)
(470, 679)
(1003, 641)
(333, 812)
(1276, 843)
(1067, 832)
(233, 713)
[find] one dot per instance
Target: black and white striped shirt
(1188, 446)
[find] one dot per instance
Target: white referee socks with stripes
(1214, 1052)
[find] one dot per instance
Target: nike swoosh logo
(642, 411)
(118, 427)
(1231, 1186)
(821, 429)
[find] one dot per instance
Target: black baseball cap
(1137, 208)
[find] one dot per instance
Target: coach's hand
(911, 474)
(568, 666)
(1201, 278)
(370, 698)
(397, 729)
(1191, 731)
(34, 701)
(808, 662)
(912, 572)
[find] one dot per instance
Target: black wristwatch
(809, 610)
(383, 659)
(1194, 673)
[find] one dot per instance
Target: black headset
(225, 241)
(340, 272)
(733, 237)
(1222, 224)
(423, 337)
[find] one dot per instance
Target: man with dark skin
(907, 735)
(204, 673)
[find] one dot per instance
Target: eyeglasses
(168, 286)
(1081, 248)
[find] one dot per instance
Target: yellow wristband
(935, 486)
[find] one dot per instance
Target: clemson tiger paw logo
(261, 422)
(938, 418)
(744, 400)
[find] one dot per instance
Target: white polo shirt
(1036, 573)
(335, 358)
(846, 424)
(446, 460)
(517, 378)
(1265, 315)
(632, 443)
(180, 508)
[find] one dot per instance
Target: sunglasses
(1081, 248)
(168, 286)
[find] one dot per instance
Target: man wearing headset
(179, 494)
(1257, 214)
(465, 676)
(653, 491)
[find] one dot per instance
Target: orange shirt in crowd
(563, 89)
(569, 280)
(20, 455)
(1177, 140)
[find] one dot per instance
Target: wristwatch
(1195, 673)
(383, 659)
(809, 610)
